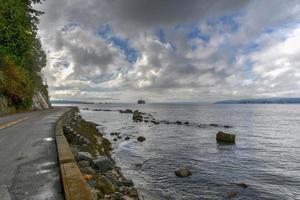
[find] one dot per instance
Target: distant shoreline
(262, 101)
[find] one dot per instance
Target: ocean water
(266, 155)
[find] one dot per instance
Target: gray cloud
(247, 54)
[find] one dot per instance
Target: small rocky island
(141, 101)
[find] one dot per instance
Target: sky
(171, 50)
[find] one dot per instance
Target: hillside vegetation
(21, 55)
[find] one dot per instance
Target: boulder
(125, 111)
(183, 172)
(231, 195)
(155, 122)
(102, 164)
(104, 185)
(127, 183)
(87, 170)
(127, 138)
(132, 192)
(83, 163)
(141, 139)
(178, 122)
(225, 137)
(243, 185)
(137, 116)
(83, 156)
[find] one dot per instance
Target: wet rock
(141, 138)
(132, 192)
(178, 122)
(155, 122)
(183, 172)
(102, 164)
(139, 164)
(87, 170)
(126, 111)
(227, 126)
(119, 137)
(214, 125)
(137, 116)
(186, 123)
(115, 133)
(231, 195)
(117, 196)
(127, 183)
(83, 163)
(165, 122)
(84, 156)
(104, 185)
(127, 138)
(146, 121)
(243, 185)
(225, 137)
(97, 194)
(115, 139)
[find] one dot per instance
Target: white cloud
(83, 64)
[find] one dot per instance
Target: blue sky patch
(130, 53)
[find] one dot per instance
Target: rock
(104, 185)
(87, 170)
(227, 126)
(115, 133)
(146, 121)
(119, 137)
(132, 192)
(243, 185)
(178, 122)
(139, 164)
(117, 196)
(127, 183)
(137, 116)
(183, 172)
(186, 123)
(155, 122)
(102, 164)
(83, 163)
(84, 156)
(115, 139)
(141, 139)
(127, 138)
(231, 195)
(97, 194)
(141, 102)
(125, 111)
(225, 137)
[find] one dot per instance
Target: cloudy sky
(171, 50)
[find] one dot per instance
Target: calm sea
(266, 155)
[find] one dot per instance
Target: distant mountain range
(262, 101)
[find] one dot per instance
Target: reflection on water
(265, 157)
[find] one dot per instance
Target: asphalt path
(29, 167)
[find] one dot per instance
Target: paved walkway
(28, 158)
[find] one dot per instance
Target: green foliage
(21, 53)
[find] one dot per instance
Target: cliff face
(39, 102)
(5, 106)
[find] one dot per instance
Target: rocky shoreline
(93, 156)
(139, 116)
